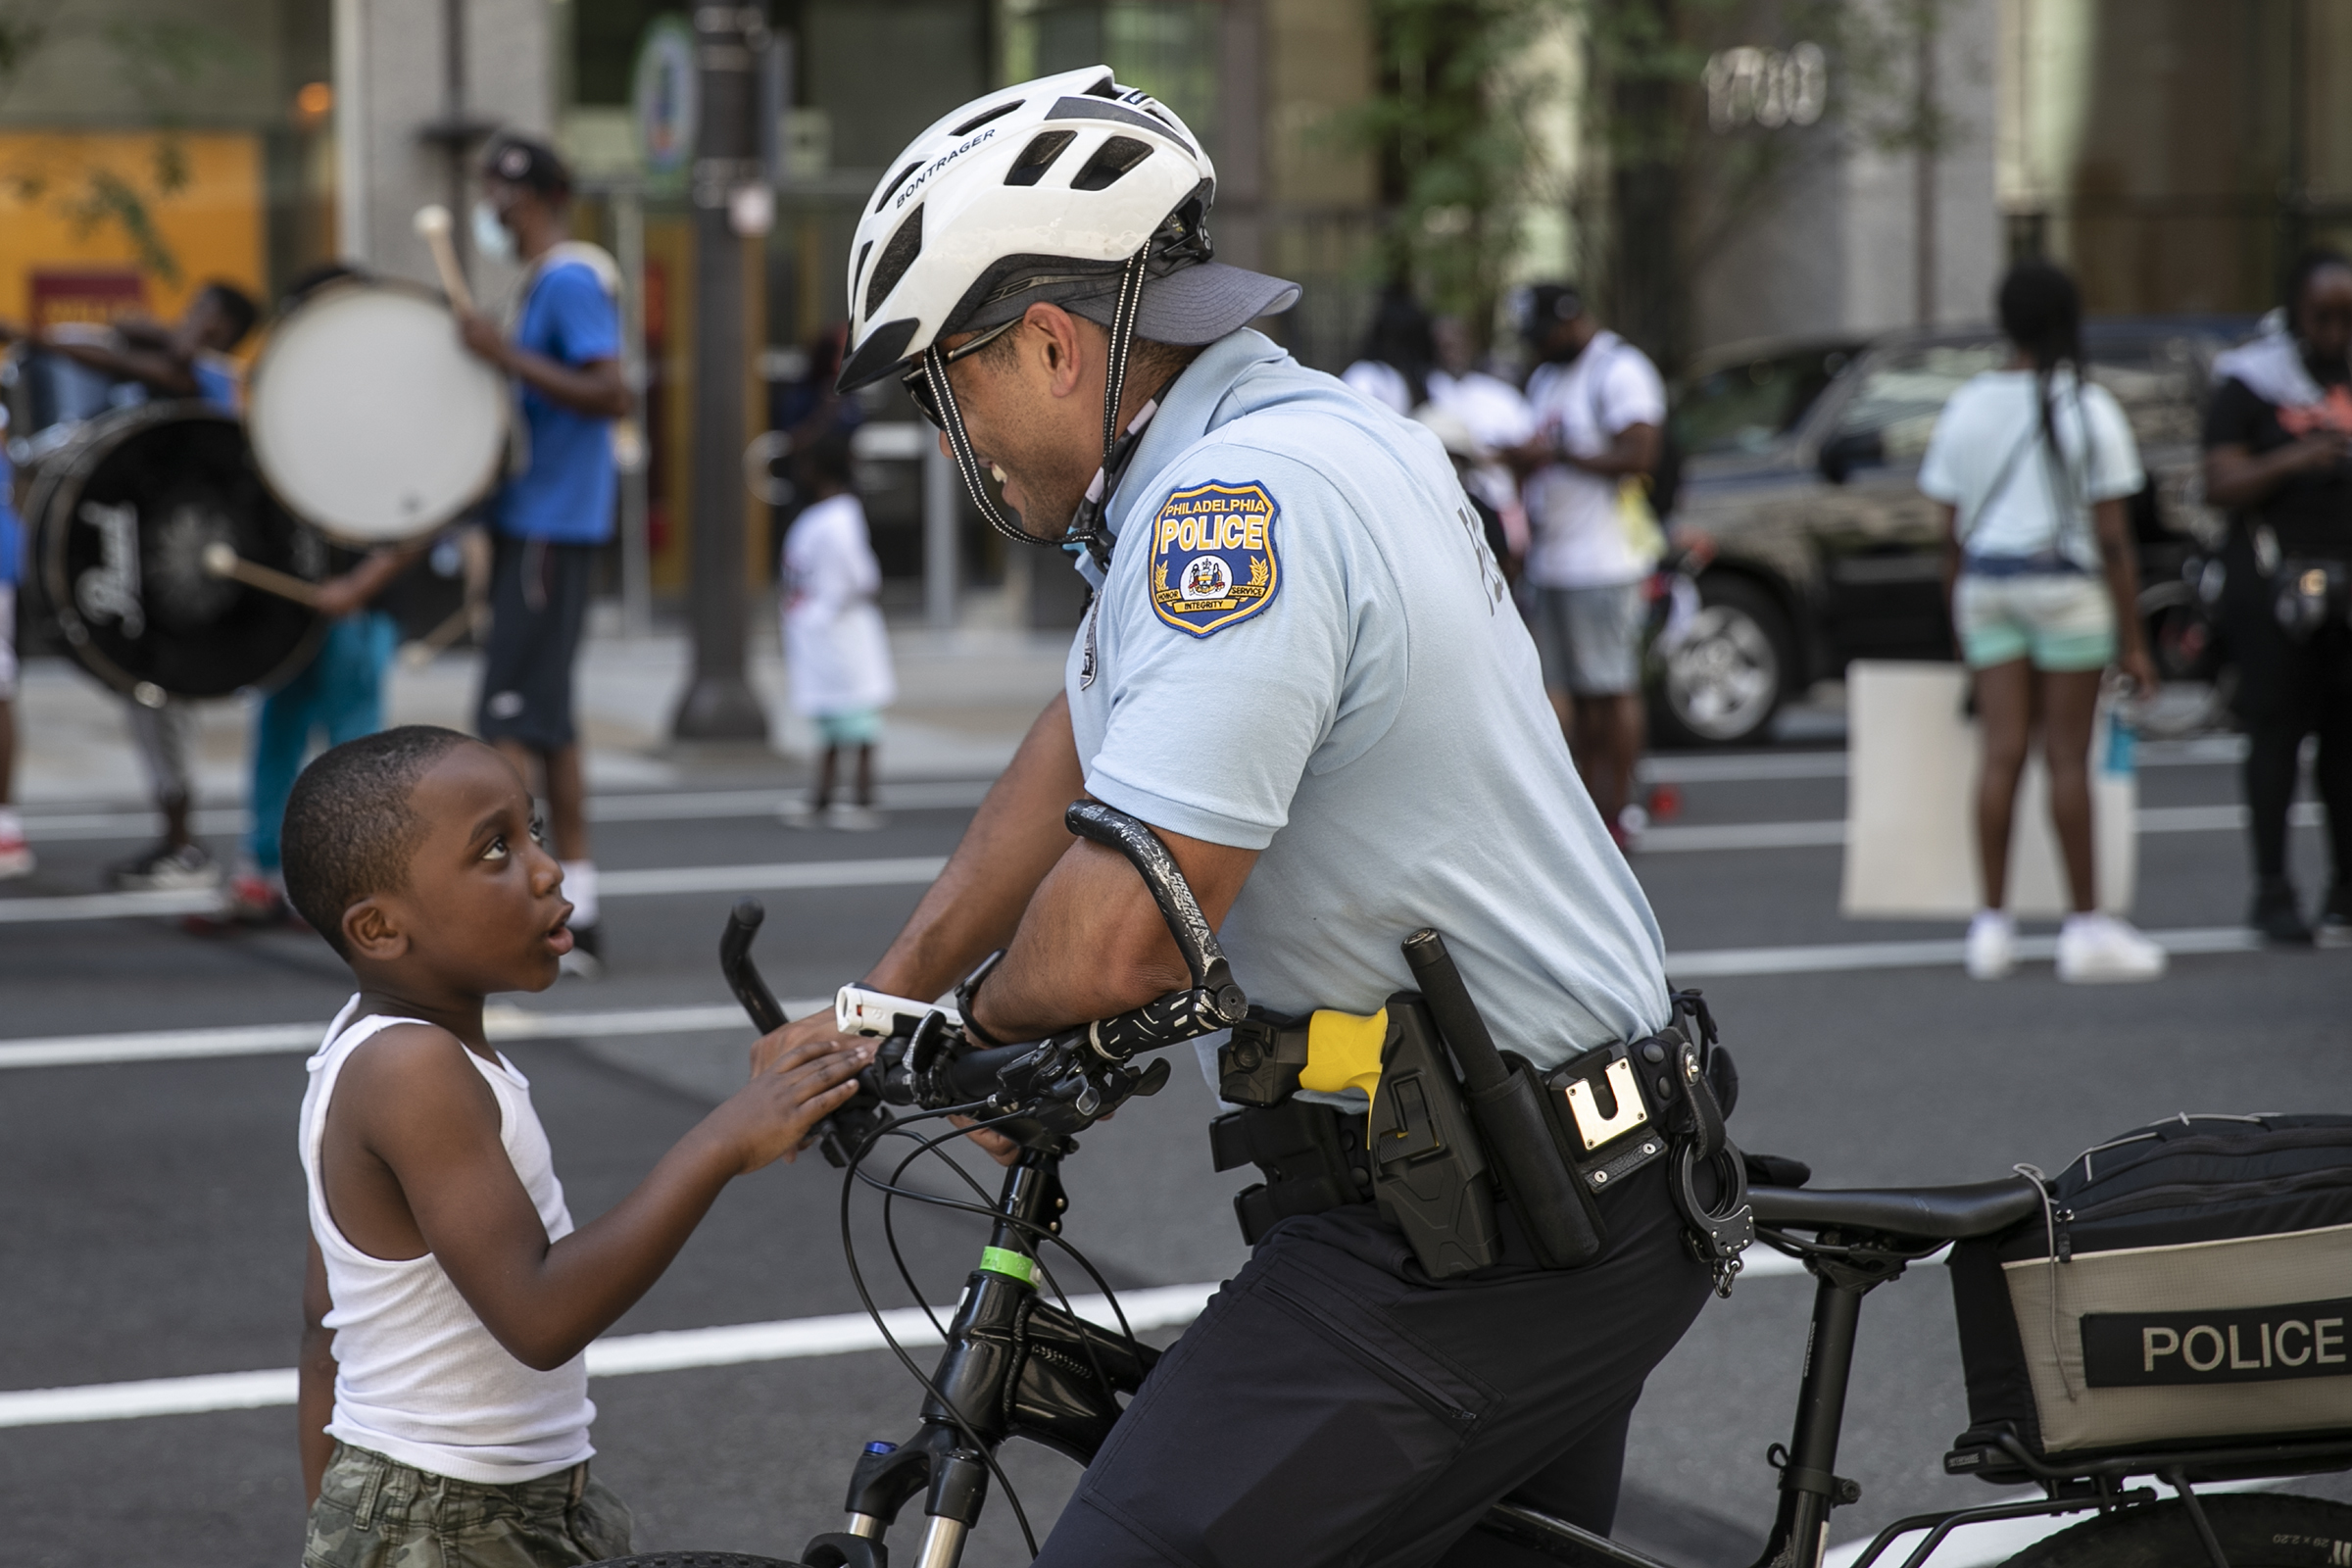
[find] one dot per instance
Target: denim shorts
(2064, 621)
(1590, 639)
(374, 1512)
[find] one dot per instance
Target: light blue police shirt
(1302, 647)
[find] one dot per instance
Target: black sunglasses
(917, 380)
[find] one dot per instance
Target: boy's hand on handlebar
(790, 1091)
(816, 1027)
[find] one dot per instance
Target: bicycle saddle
(1930, 1214)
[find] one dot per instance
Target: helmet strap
(1086, 524)
(959, 442)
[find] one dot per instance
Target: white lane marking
(1685, 840)
(502, 1023)
(669, 1350)
(516, 1023)
(785, 876)
(1842, 956)
(666, 1351)
(781, 876)
(919, 795)
(1753, 767)
(911, 870)
(682, 806)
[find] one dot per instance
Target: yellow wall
(212, 224)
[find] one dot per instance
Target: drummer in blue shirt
(563, 355)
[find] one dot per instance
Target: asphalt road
(151, 1221)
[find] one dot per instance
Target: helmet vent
(1039, 156)
(892, 189)
(1111, 160)
(1106, 88)
(896, 256)
(858, 272)
(984, 117)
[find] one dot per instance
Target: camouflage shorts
(374, 1513)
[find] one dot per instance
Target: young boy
(834, 643)
(444, 1402)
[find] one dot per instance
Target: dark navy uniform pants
(1334, 1406)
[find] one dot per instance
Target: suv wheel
(1724, 682)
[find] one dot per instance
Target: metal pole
(940, 517)
(636, 542)
(718, 704)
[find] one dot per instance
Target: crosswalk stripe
(507, 1023)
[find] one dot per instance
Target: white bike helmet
(1069, 189)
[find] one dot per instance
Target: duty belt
(1432, 1149)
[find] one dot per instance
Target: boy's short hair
(348, 830)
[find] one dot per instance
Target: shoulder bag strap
(1969, 517)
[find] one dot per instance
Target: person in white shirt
(835, 646)
(1599, 407)
(1496, 418)
(1394, 370)
(2032, 464)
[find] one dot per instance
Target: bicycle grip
(743, 975)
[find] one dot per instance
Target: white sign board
(1911, 813)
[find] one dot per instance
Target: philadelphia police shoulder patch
(1213, 557)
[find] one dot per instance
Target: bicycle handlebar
(1039, 1093)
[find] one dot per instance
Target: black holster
(1312, 1155)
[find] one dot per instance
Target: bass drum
(121, 516)
(368, 417)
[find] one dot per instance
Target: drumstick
(421, 652)
(222, 561)
(432, 222)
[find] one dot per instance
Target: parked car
(1799, 461)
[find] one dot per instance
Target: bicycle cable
(890, 1191)
(849, 1248)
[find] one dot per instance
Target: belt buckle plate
(1594, 1129)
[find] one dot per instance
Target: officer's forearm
(1092, 942)
(1014, 841)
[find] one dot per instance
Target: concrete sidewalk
(965, 699)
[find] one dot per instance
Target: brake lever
(839, 1134)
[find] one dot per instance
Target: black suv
(1799, 460)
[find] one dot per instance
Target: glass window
(1903, 393)
(1746, 407)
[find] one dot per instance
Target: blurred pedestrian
(16, 855)
(2032, 464)
(836, 651)
(1598, 405)
(187, 359)
(552, 516)
(1394, 368)
(2275, 455)
(1496, 418)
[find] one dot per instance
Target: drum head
(125, 510)
(370, 420)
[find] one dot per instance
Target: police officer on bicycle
(1301, 669)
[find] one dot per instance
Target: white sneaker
(847, 819)
(1992, 946)
(798, 814)
(2097, 949)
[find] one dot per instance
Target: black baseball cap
(1542, 305)
(532, 164)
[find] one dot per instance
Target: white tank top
(418, 1378)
